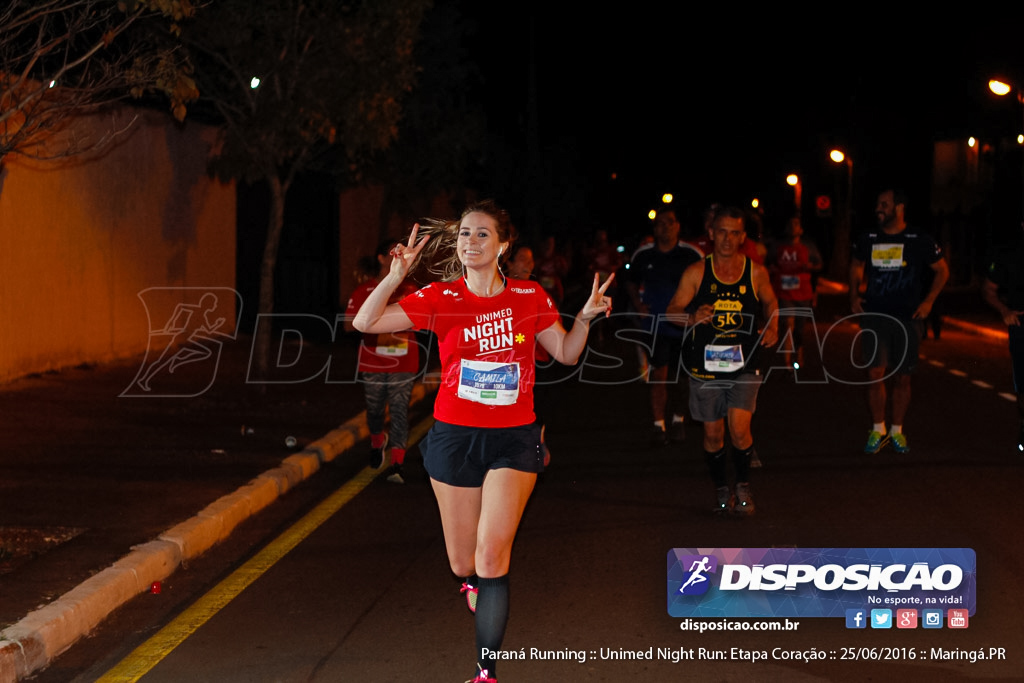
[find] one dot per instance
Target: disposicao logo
(816, 582)
(696, 580)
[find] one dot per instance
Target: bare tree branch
(63, 58)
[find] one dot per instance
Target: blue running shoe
(875, 442)
(899, 443)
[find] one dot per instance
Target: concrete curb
(31, 644)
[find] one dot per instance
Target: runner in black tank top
(726, 346)
(725, 292)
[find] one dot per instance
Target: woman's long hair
(439, 257)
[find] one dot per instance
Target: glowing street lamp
(841, 249)
(666, 198)
(793, 180)
(999, 87)
(1002, 89)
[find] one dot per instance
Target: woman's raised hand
(598, 303)
(404, 255)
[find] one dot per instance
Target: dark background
(718, 105)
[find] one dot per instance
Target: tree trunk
(275, 225)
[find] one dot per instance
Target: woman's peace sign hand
(598, 303)
(404, 255)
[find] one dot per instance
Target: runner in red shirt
(791, 263)
(388, 364)
(483, 452)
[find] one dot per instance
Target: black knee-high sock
(491, 618)
(716, 466)
(741, 461)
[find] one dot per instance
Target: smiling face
(479, 244)
(888, 211)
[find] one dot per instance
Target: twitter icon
(881, 618)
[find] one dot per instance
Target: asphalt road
(367, 595)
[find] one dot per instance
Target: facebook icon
(856, 618)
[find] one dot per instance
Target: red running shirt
(487, 347)
(396, 352)
(791, 276)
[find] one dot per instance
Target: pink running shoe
(471, 592)
(483, 677)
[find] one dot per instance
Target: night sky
(721, 111)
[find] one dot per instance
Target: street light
(999, 87)
(841, 248)
(1002, 89)
(793, 180)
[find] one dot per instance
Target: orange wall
(79, 240)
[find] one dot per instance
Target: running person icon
(483, 452)
(190, 331)
(696, 570)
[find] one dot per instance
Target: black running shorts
(461, 456)
(888, 342)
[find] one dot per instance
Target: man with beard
(891, 262)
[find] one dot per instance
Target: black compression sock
(716, 465)
(741, 461)
(491, 618)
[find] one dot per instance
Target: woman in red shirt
(483, 452)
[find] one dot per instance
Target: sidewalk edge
(34, 642)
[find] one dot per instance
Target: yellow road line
(153, 651)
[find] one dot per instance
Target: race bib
(723, 358)
(494, 384)
(391, 345)
(887, 256)
(790, 282)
